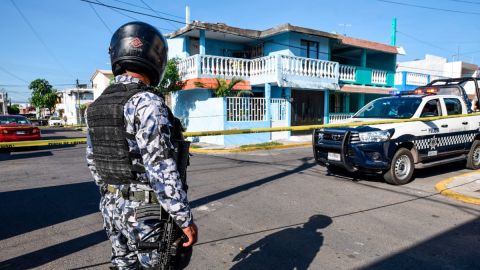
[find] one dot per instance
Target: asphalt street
(271, 209)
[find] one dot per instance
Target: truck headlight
(375, 136)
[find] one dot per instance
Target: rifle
(173, 255)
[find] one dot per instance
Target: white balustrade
(301, 66)
(256, 69)
(416, 78)
(348, 73)
(379, 76)
(338, 117)
(187, 67)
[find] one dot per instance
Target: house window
(309, 49)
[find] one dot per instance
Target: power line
(424, 42)
(131, 11)
(126, 15)
(13, 75)
(100, 18)
(428, 7)
(155, 12)
(39, 37)
(466, 2)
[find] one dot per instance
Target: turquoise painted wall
(383, 61)
(222, 48)
(271, 45)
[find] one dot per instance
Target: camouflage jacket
(146, 117)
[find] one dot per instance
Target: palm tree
(225, 88)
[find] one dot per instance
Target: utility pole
(393, 36)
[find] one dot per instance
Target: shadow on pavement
(292, 248)
(26, 210)
(48, 254)
(247, 186)
(419, 173)
(457, 248)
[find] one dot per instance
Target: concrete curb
(247, 149)
(442, 188)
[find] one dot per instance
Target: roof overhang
(224, 32)
(365, 89)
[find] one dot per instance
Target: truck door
(432, 133)
(460, 133)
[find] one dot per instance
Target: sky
(65, 40)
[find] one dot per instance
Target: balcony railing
(365, 76)
(284, 70)
(339, 117)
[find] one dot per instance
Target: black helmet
(139, 47)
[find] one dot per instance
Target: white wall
(175, 48)
(100, 82)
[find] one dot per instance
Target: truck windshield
(394, 107)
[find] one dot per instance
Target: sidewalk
(294, 141)
(465, 187)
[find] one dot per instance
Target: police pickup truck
(396, 149)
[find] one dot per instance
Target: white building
(100, 80)
(438, 67)
(70, 107)
(3, 102)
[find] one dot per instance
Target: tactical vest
(107, 130)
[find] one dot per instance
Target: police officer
(129, 149)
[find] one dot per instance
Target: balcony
(366, 76)
(406, 80)
(282, 70)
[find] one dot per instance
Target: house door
(307, 108)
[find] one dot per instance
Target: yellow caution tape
(245, 131)
(312, 127)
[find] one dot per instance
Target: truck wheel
(401, 168)
(473, 159)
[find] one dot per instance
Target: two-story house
(300, 75)
(72, 105)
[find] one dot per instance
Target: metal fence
(245, 109)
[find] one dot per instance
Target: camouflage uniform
(146, 118)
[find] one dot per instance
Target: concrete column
(404, 80)
(361, 101)
(288, 111)
(364, 58)
(268, 107)
(268, 96)
(326, 106)
(202, 42)
(186, 46)
(346, 103)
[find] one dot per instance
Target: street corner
(464, 188)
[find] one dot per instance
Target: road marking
(444, 190)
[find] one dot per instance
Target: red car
(17, 128)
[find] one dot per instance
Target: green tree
(43, 95)
(13, 109)
(171, 79)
